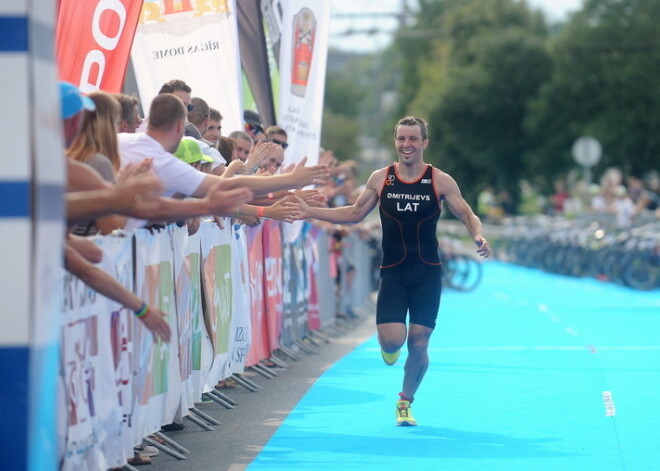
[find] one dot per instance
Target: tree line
(506, 94)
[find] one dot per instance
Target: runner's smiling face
(409, 144)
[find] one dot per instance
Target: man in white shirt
(167, 120)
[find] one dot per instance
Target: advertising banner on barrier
(196, 42)
(240, 319)
(188, 296)
(96, 349)
(273, 279)
(326, 286)
(310, 252)
(93, 41)
(259, 349)
(217, 289)
(82, 373)
(157, 385)
(294, 323)
(118, 261)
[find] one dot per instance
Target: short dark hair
(199, 112)
(413, 121)
(175, 85)
(165, 111)
(127, 104)
(214, 115)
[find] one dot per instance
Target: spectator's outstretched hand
(226, 202)
(235, 167)
(136, 170)
(285, 210)
(312, 197)
(154, 320)
(301, 208)
(250, 221)
(314, 175)
(137, 196)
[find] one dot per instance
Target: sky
(379, 17)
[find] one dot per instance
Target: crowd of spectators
(623, 198)
(174, 166)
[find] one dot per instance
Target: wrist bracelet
(142, 311)
(261, 211)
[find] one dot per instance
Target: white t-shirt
(177, 176)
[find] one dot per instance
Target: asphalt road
(245, 429)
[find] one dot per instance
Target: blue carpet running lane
(531, 371)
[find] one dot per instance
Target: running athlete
(410, 193)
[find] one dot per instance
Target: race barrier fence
(233, 296)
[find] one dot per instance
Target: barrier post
(31, 215)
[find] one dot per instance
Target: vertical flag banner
(303, 57)
(255, 57)
(93, 42)
(196, 42)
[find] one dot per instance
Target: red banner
(259, 342)
(273, 281)
(93, 42)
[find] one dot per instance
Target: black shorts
(413, 288)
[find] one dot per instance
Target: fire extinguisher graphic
(304, 31)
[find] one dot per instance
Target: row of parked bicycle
(588, 246)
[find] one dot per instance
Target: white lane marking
(608, 402)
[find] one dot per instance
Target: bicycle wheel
(642, 272)
(463, 272)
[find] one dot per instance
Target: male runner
(410, 193)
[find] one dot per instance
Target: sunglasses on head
(283, 144)
(255, 129)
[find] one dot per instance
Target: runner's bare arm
(458, 206)
(351, 214)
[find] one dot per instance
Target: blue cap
(72, 100)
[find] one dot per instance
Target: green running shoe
(390, 358)
(404, 416)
